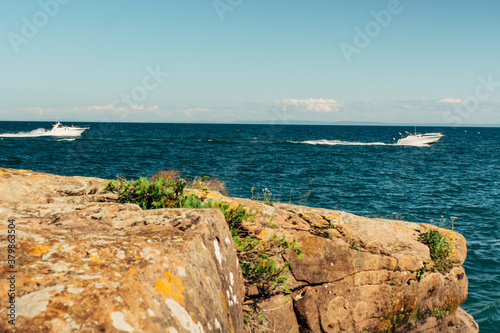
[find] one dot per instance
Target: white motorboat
(65, 131)
(418, 139)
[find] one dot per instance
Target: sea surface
(357, 169)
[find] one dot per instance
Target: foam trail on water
(32, 134)
(338, 142)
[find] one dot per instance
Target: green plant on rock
(441, 312)
(235, 216)
(255, 320)
(440, 248)
(154, 194)
(261, 261)
(421, 272)
(272, 224)
(258, 259)
(403, 317)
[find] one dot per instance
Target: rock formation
(84, 262)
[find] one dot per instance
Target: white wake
(33, 134)
(338, 142)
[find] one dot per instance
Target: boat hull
(420, 139)
(65, 132)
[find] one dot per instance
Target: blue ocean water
(357, 169)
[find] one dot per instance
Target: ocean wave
(339, 142)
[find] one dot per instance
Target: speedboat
(418, 139)
(64, 131)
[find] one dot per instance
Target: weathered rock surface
(362, 274)
(105, 267)
(86, 263)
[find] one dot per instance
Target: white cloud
(190, 112)
(153, 108)
(100, 107)
(321, 105)
(451, 101)
(137, 107)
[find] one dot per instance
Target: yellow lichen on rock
(95, 259)
(37, 251)
(171, 287)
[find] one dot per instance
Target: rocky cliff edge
(84, 262)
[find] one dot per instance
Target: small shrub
(169, 174)
(439, 247)
(205, 183)
(159, 193)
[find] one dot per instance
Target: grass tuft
(439, 247)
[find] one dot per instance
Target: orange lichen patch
(191, 314)
(37, 251)
(264, 234)
(398, 226)
(137, 257)
(224, 302)
(95, 259)
(449, 233)
(132, 271)
(171, 287)
(451, 237)
(209, 194)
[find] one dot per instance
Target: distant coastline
(272, 122)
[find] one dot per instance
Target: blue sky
(240, 60)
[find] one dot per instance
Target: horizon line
(275, 123)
